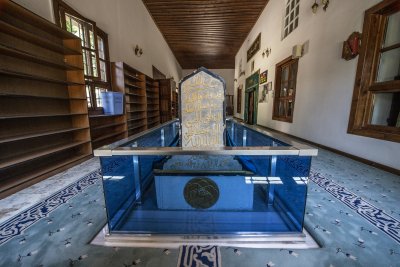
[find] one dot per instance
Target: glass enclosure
(256, 184)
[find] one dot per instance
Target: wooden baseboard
(357, 158)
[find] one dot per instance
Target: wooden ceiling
(205, 33)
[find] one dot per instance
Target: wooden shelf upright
(153, 102)
(44, 125)
(133, 84)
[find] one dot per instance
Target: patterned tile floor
(352, 210)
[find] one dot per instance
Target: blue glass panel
(256, 194)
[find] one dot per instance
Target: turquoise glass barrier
(240, 194)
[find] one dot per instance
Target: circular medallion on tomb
(201, 193)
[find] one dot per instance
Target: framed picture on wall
(262, 94)
(263, 77)
(255, 46)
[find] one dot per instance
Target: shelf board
(149, 110)
(132, 85)
(39, 41)
(138, 103)
(154, 116)
(100, 116)
(38, 154)
(39, 134)
(130, 76)
(5, 185)
(107, 126)
(135, 111)
(41, 96)
(133, 94)
(36, 78)
(25, 116)
(135, 119)
(101, 138)
(136, 127)
(27, 56)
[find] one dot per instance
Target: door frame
(252, 84)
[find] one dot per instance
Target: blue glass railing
(258, 184)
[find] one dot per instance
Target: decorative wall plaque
(351, 47)
(255, 46)
(201, 193)
(202, 102)
(263, 77)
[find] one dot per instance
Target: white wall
(325, 82)
(227, 74)
(127, 23)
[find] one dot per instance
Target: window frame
(375, 21)
(277, 97)
(287, 18)
(92, 81)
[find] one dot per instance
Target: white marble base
(285, 241)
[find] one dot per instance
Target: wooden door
(250, 111)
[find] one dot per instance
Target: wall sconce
(314, 7)
(324, 3)
(138, 51)
(266, 52)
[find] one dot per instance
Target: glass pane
(100, 44)
(386, 109)
(94, 63)
(99, 100)
(282, 108)
(89, 101)
(91, 39)
(392, 35)
(285, 73)
(85, 63)
(103, 74)
(389, 66)
(290, 108)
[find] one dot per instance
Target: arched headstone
(202, 109)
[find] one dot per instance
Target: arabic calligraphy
(202, 110)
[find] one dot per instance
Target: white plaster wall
(127, 23)
(43, 8)
(227, 74)
(325, 82)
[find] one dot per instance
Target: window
(375, 110)
(94, 52)
(291, 20)
(285, 89)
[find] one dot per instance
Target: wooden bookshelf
(153, 102)
(167, 88)
(133, 84)
(44, 125)
(107, 129)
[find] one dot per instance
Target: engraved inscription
(201, 193)
(202, 109)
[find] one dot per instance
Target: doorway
(251, 98)
(250, 108)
